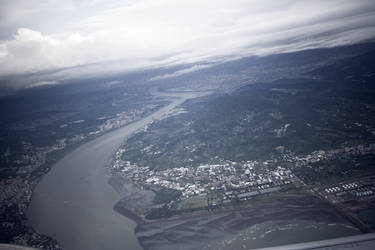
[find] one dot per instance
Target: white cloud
(181, 72)
(3, 51)
(42, 83)
(111, 83)
(81, 37)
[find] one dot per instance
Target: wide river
(73, 202)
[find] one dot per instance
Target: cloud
(76, 38)
(181, 72)
(42, 83)
(112, 83)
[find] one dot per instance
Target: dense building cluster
(227, 177)
(123, 118)
(347, 191)
(233, 180)
(321, 155)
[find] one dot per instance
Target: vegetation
(334, 171)
(300, 115)
(166, 195)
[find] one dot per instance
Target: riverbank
(216, 229)
(275, 221)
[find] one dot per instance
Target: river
(73, 202)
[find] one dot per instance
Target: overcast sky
(74, 38)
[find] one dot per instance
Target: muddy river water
(73, 202)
